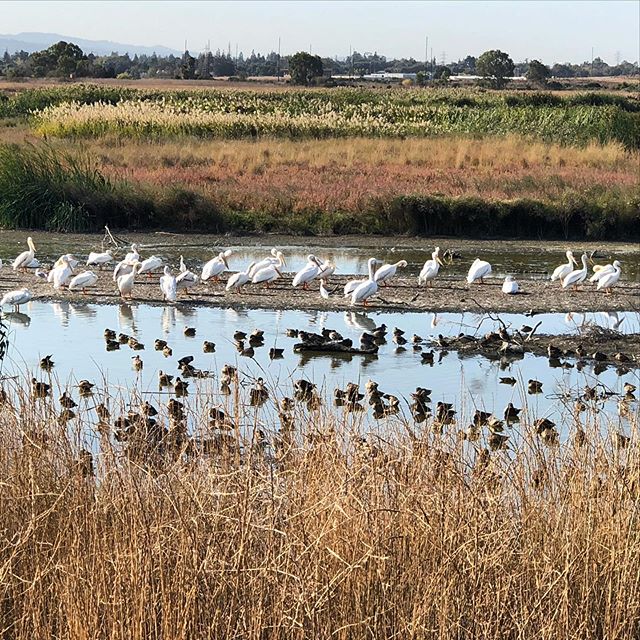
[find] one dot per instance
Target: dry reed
(405, 534)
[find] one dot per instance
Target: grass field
(340, 183)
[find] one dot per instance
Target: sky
(551, 31)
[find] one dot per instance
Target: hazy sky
(555, 31)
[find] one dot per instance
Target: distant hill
(37, 41)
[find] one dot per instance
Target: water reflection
(17, 317)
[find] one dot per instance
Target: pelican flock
(358, 290)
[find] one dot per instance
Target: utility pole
(426, 52)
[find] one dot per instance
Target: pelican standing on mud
(578, 276)
(368, 288)
(479, 270)
(430, 268)
(561, 272)
(216, 266)
(24, 259)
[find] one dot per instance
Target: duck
(103, 412)
(427, 357)
(23, 261)
(83, 281)
(577, 276)
(159, 344)
(258, 394)
(238, 280)
(96, 259)
(208, 347)
(561, 272)
(534, 386)
(511, 414)
(167, 351)
(216, 266)
(388, 271)
(430, 269)
(478, 270)
(181, 387)
(137, 363)
(40, 389)
(324, 293)
(168, 285)
(508, 380)
(112, 345)
(189, 332)
(86, 387)
(46, 363)
(67, 401)
(275, 353)
(164, 379)
(185, 361)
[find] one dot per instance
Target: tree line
(65, 59)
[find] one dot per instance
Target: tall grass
(312, 531)
(319, 117)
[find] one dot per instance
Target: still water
(73, 334)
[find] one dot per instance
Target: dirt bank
(448, 294)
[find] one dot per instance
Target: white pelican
(23, 260)
(561, 272)
(324, 294)
(601, 270)
(83, 280)
(239, 279)
(430, 268)
(152, 263)
(168, 285)
(510, 286)
(61, 273)
(351, 285)
(216, 266)
(327, 268)
(266, 262)
(123, 268)
(125, 282)
(98, 259)
(71, 259)
(479, 270)
(577, 276)
(610, 279)
(34, 264)
(308, 273)
(268, 274)
(368, 288)
(186, 279)
(133, 255)
(16, 298)
(387, 271)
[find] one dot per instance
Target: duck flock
(67, 273)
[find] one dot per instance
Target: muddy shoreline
(449, 294)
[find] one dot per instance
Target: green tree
(496, 67)
(188, 67)
(442, 73)
(60, 59)
(538, 72)
(303, 68)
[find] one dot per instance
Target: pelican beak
(439, 261)
(224, 259)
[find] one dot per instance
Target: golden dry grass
(409, 535)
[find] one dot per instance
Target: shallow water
(72, 333)
(532, 259)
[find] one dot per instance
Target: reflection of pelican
(125, 317)
(359, 320)
(434, 320)
(17, 317)
(168, 319)
(61, 311)
(613, 319)
(82, 310)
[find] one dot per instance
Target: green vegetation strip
(92, 111)
(44, 189)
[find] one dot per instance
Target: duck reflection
(17, 317)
